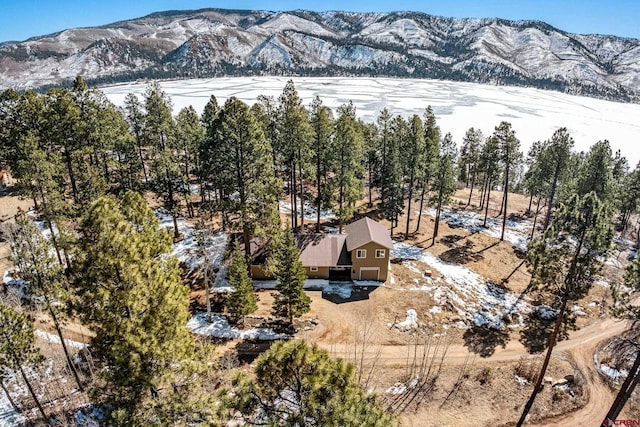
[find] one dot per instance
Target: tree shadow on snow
(483, 340)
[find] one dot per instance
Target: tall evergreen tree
(247, 172)
(563, 262)
(444, 182)
(212, 154)
(555, 160)
(470, 158)
(266, 113)
(18, 349)
(135, 118)
(62, 129)
(30, 253)
(297, 384)
(372, 157)
(596, 173)
(489, 159)
(167, 178)
(189, 133)
(291, 300)
(294, 138)
(628, 196)
(430, 157)
(391, 197)
(133, 298)
(348, 172)
(415, 150)
(510, 157)
(241, 301)
(322, 124)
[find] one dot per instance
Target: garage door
(368, 274)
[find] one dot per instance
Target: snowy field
(535, 114)
(463, 291)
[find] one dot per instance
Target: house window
(313, 269)
(380, 253)
(361, 253)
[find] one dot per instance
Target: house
(369, 244)
(362, 253)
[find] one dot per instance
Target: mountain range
(217, 42)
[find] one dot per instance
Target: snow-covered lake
(535, 114)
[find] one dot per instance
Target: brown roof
(323, 250)
(366, 230)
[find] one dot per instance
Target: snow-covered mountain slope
(214, 42)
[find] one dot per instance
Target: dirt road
(579, 348)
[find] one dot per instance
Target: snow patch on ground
(220, 328)
(401, 388)
(310, 212)
(54, 339)
(411, 322)
(516, 232)
(546, 313)
(520, 380)
(340, 289)
(477, 301)
(8, 415)
(613, 373)
(187, 250)
(14, 285)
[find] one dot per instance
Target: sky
(22, 19)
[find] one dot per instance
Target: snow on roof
(366, 230)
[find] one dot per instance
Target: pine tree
(291, 300)
(628, 196)
(211, 154)
(563, 261)
(241, 301)
(510, 156)
(297, 384)
(347, 148)
(444, 182)
(294, 138)
(415, 150)
(135, 118)
(189, 133)
(30, 253)
(372, 157)
(266, 113)
(322, 124)
(470, 158)
(18, 348)
(596, 173)
(554, 163)
(131, 295)
(392, 133)
(62, 118)
(246, 172)
(628, 344)
(430, 157)
(489, 159)
(167, 178)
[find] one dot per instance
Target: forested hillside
(219, 42)
(101, 259)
